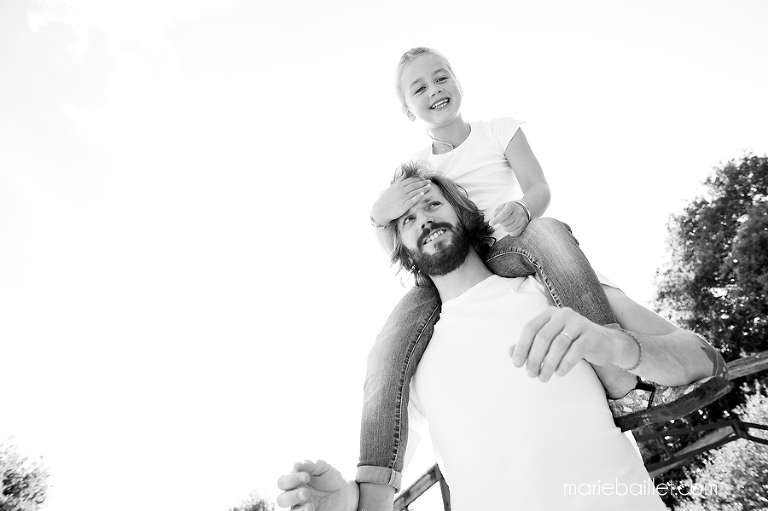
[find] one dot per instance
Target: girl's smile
(440, 104)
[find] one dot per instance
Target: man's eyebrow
(423, 200)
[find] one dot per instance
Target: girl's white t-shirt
(480, 166)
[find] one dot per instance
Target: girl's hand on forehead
(398, 198)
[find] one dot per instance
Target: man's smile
(434, 235)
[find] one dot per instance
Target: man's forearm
(672, 359)
(670, 356)
(353, 496)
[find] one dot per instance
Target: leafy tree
(23, 482)
(254, 502)
(735, 476)
(715, 282)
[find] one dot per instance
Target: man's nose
(426, 222)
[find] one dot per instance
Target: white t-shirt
(480, 166)
(504, 440)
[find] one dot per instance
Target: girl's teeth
(440, 104)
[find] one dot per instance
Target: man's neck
(470, 273)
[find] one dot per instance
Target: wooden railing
(422, 484)
(723, 432)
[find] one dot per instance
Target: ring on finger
(569, 336)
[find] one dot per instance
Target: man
(505, 438)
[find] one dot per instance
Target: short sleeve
(605, 280)
(502, 130)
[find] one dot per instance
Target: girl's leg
(391, 364)
(548, 248)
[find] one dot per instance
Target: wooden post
(444, 491)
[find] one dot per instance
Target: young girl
(488, 159)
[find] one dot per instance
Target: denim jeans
(546, 248)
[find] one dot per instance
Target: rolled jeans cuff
(378, 475)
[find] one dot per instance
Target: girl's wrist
(378, 220)
(525, 207)
(376, 224)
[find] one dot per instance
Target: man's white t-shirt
(504, 440)
(480, 165)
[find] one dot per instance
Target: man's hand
(316, 486)
(512, 217)
(555, 340)
(398, 198)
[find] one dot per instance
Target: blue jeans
(546, 248)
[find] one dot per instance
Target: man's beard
(448, 255)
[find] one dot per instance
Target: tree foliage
(23, 482)
(737, 472)
(255, 502)
(715, 282)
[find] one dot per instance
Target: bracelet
(525, 208)
(639, 346)
(378, 226)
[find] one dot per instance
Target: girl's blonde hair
(406, 59)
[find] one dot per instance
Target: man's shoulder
(495, 287)
(522, 285)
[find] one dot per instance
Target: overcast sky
(188, 281)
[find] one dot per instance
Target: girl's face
(431, 92)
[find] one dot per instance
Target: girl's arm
(529, 174)
(513, 216)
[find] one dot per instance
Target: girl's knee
(548, 233)
(548, 225)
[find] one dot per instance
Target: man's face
(433, 235)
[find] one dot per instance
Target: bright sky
(188, 281)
